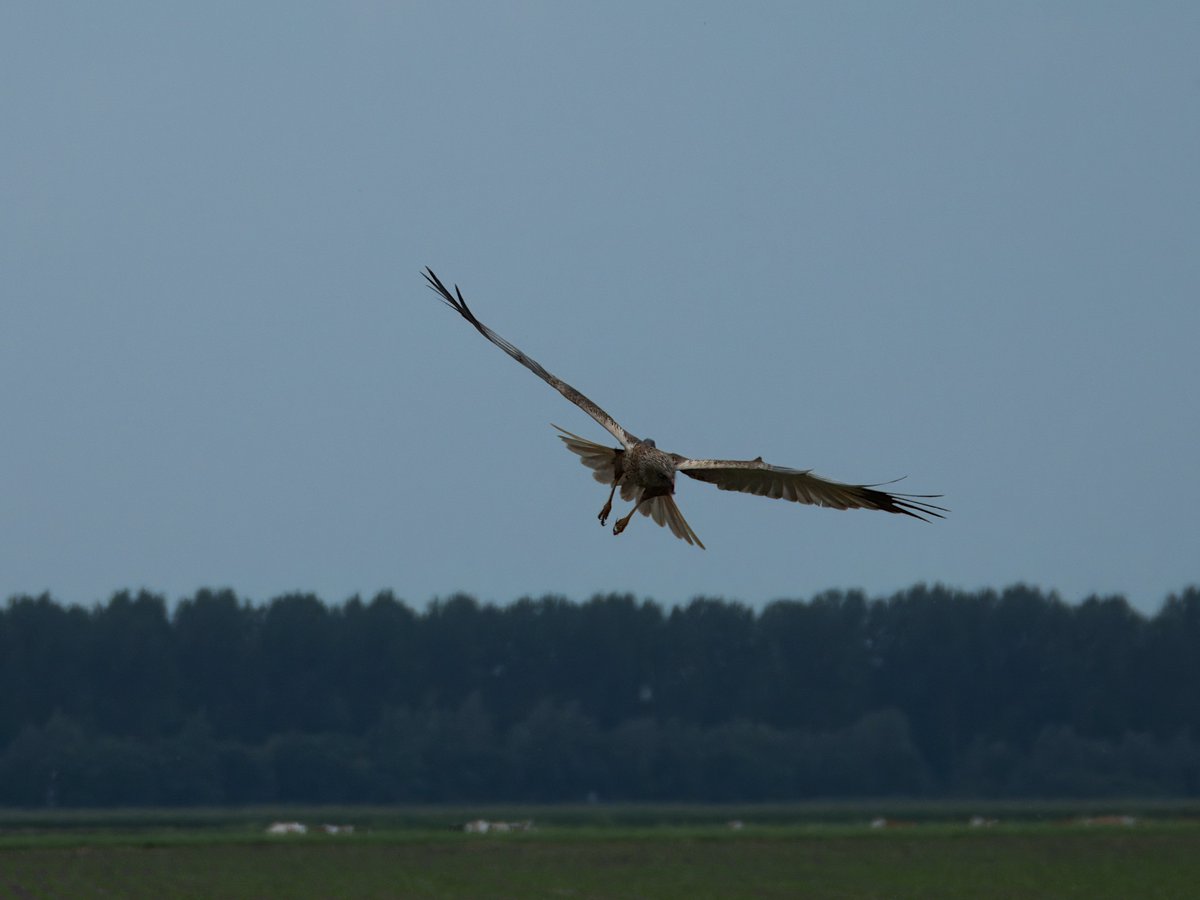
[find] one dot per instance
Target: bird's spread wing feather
(753, 476)
(456, 302)
(605, 462)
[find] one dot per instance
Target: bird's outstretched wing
(605, 462)
(753, 476)
(456, 302)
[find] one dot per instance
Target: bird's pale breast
(647, 466)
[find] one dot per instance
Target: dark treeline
(930, 692)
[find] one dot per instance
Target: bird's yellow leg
(608, 504)
(622, 523)
(647, 494)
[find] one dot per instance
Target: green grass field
(616, 852)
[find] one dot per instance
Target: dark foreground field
(577, 858)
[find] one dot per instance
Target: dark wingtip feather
(455, 301)
(905, 504)
(435, 285)
(913, 505)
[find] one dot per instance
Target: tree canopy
(930, 691)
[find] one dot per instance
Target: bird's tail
(664, 511)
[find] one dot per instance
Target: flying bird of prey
(646, 475)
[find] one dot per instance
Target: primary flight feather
(646, 475)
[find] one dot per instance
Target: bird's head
(649, 442)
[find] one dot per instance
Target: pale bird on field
(646, 475)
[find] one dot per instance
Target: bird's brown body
(649, 471)
(650, 468)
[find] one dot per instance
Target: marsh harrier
(646, 475)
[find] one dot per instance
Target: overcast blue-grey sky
(958, 242)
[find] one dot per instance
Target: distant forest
(930, 692)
